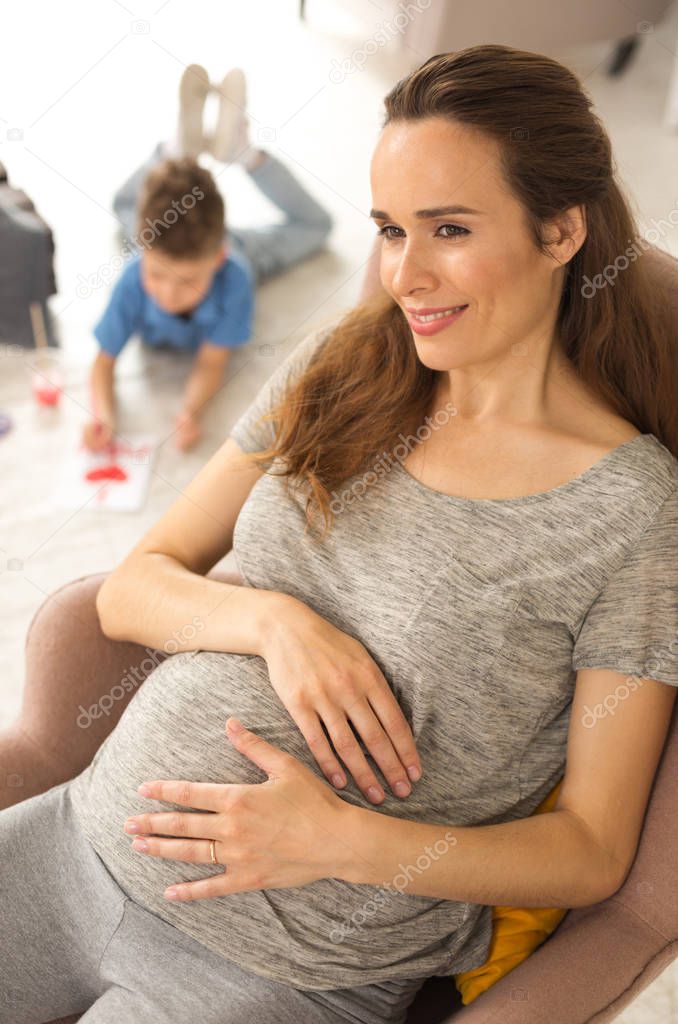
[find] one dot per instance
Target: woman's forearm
(547, 860)
(157, 601)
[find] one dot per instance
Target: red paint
(47, 394)
(111, 472)
(47, 386)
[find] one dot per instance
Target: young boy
(191, 284)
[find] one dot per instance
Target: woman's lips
(433, 326)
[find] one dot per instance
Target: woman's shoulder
(628, 450)
(652, 460)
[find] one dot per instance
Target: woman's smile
(432, 323)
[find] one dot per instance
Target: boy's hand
(188, 430)
(203, 383)
(97, 435)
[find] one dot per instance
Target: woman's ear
(569, 234)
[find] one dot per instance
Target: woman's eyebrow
(434, 211)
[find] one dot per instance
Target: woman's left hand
(288, 831)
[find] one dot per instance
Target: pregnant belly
(174, 728)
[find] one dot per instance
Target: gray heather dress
(478, 612)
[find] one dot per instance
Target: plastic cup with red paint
(48, 384)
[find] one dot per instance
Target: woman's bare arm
(578, 854)
(159, 593)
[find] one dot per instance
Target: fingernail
(171, 894)
(414, 773)
(374, 793)
(401, 789)
(144, 790)
(132, 826)
(140, 844)
(338, 780)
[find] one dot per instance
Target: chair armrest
(610, 952)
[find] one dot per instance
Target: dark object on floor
(26, 266)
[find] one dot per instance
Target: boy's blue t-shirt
(224, 317)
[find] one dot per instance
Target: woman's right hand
(323, 675)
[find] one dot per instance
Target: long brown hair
(365, 386)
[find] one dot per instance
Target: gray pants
(71, 941)
(271, 248)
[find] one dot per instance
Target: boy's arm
(120, 319)
(99, 431)
(204, 381)
(205, 377)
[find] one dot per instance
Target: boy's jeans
(271, 248)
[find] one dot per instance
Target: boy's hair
(181, 211)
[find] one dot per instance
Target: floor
(89, 110)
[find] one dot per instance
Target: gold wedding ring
(212, 852)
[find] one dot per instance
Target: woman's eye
(458, 231)
(456, 228)
(385, 230)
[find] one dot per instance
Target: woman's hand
(289, 831)
(323, 675)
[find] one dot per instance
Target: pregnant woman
(455, 513)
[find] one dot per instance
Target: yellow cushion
(516, 932)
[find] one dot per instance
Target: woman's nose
(412, 272)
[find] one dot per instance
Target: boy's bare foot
(193, 89)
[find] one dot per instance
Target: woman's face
(485, 259)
